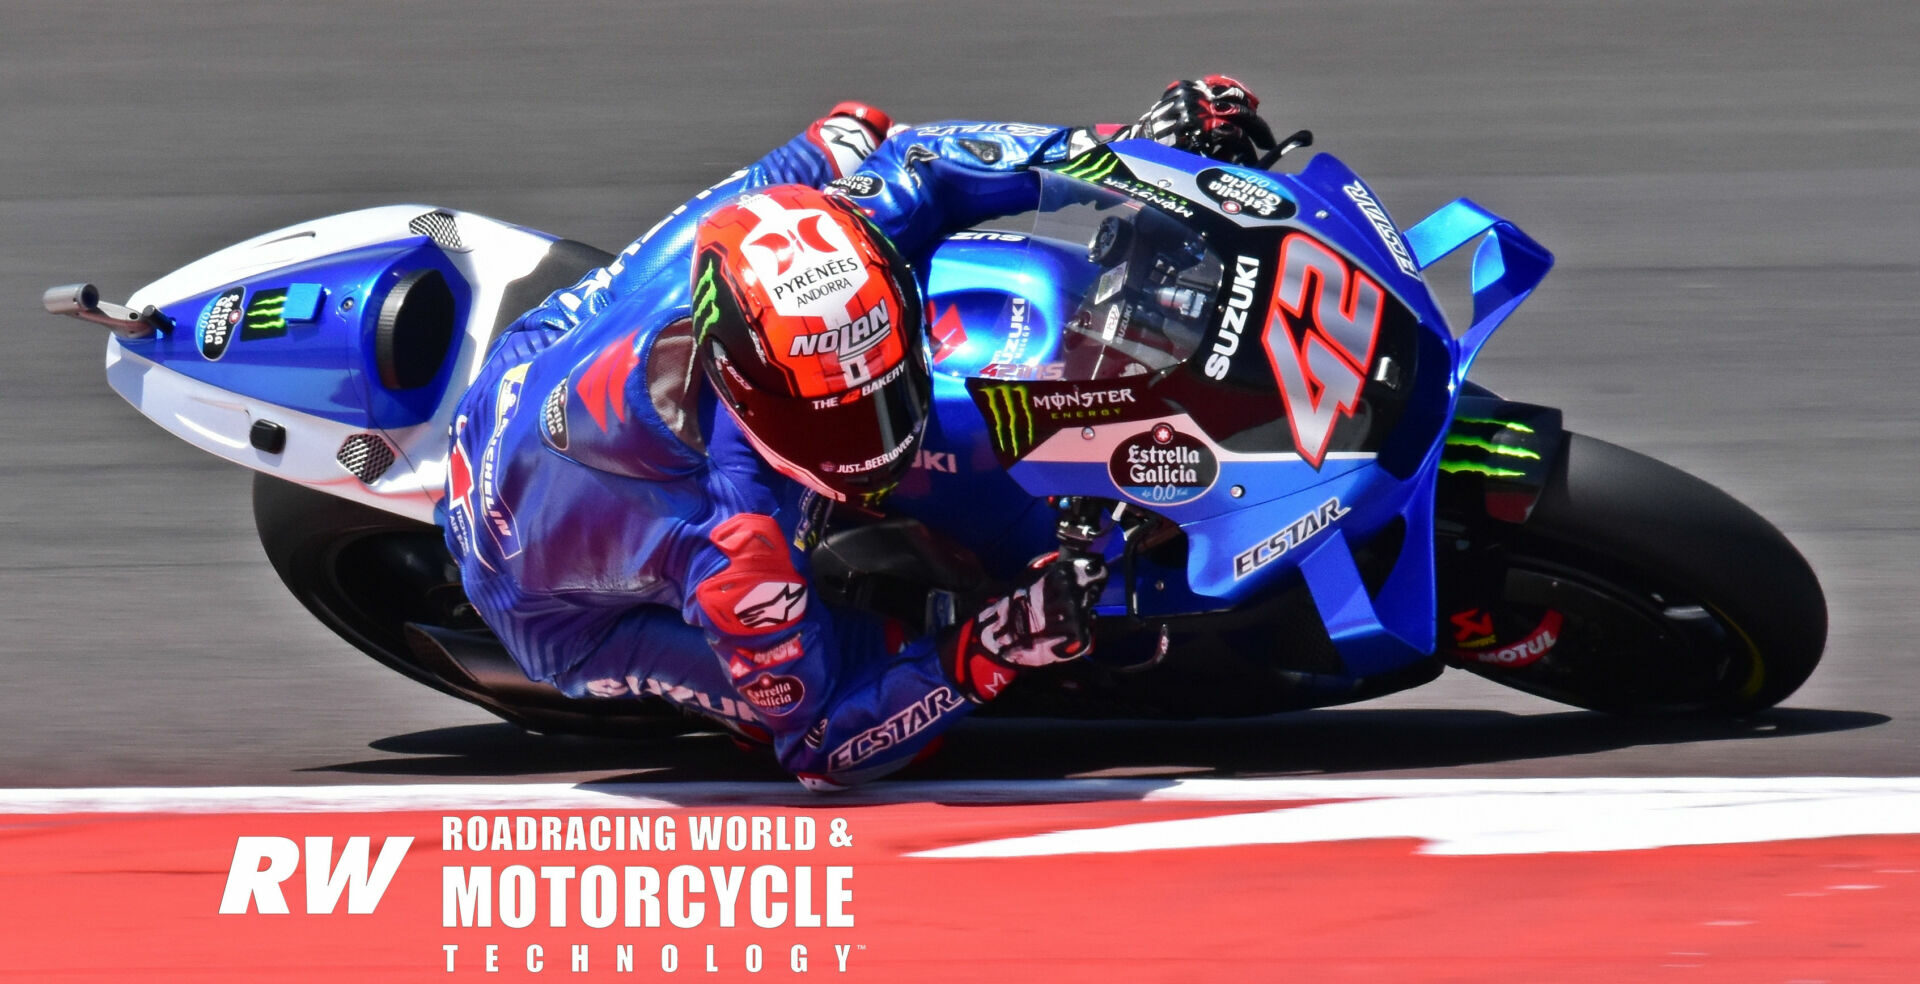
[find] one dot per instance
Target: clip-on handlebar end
(1299, 139)
(83, 301)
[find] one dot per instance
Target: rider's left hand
(1215, 116)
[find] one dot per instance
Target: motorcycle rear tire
(1676, 597)
(366, 574)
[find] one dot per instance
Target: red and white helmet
(809, 326)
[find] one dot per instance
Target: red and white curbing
(1450, 816)
(1501, 881)
(1467, 817)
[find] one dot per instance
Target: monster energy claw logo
(266, 316)
(1093, 166)
(1491, 447)
(1011, 414)
(706, 299)
(1479, 468)
(1487, 453)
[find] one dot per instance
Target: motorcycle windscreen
(1147, 290)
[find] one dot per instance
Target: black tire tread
(1644, 514)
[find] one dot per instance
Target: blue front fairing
(1266, 488)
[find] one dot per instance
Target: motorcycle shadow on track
(1323, 742)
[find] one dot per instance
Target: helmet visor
(848, 444)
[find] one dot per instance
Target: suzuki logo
(1233, 320)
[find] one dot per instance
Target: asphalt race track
(1731, 189)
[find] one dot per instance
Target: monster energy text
(1063, 404)
(1011, 409)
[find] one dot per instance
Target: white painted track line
(389, 798)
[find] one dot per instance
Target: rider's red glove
(874, 118)
(1047, 620)
(1217, 117)
(848, 133)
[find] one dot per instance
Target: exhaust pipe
(83, 301)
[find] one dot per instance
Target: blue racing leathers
(623, 539)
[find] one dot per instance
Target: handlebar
(1078, 525)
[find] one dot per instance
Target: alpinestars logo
(772, 603)
(845, 140)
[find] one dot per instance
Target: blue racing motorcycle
(1231, 382)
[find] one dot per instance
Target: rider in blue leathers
(624, 537)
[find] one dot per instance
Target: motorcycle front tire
(1669, 595)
